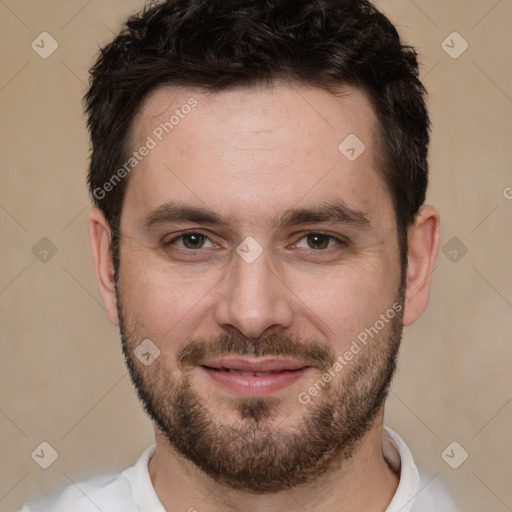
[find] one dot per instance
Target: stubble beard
(258, 454)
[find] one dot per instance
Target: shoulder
(433, 495)
(108, 493)
(417, 491)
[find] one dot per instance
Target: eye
(191, 240)
(320, 241)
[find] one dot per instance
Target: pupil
(314, 240)
(196, 238)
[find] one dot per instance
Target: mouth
(254, 377)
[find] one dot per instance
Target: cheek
(346, 300)
(160, 301)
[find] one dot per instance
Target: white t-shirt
(132, 490)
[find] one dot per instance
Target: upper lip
(246, 365)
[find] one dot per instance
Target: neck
(363, 482)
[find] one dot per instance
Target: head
(259, 171)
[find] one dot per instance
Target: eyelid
(341, 240)
(185, 233)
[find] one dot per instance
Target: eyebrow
(334, 212)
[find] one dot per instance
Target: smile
(254, 378)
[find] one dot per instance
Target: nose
(254, 301)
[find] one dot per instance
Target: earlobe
(100, 238)
(423, 240)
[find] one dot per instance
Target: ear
(100, 236)
(423, 239)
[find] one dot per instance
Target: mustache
(310, 353)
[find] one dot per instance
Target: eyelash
(340, 241)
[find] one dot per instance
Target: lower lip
(254, 386)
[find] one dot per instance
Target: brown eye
(319, 241)
(191, 241)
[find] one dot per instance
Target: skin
(250, 154)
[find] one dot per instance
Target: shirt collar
(395, 451)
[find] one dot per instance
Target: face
(260, 259)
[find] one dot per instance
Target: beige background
(62, 377)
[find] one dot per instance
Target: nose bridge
(253, 299)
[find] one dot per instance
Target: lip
(259, 377)
(254, 365)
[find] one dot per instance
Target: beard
(256, 455)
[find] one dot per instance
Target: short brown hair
(219, 44)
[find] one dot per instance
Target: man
(259, 172)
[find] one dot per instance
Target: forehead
(314, 109)
(257, 150)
